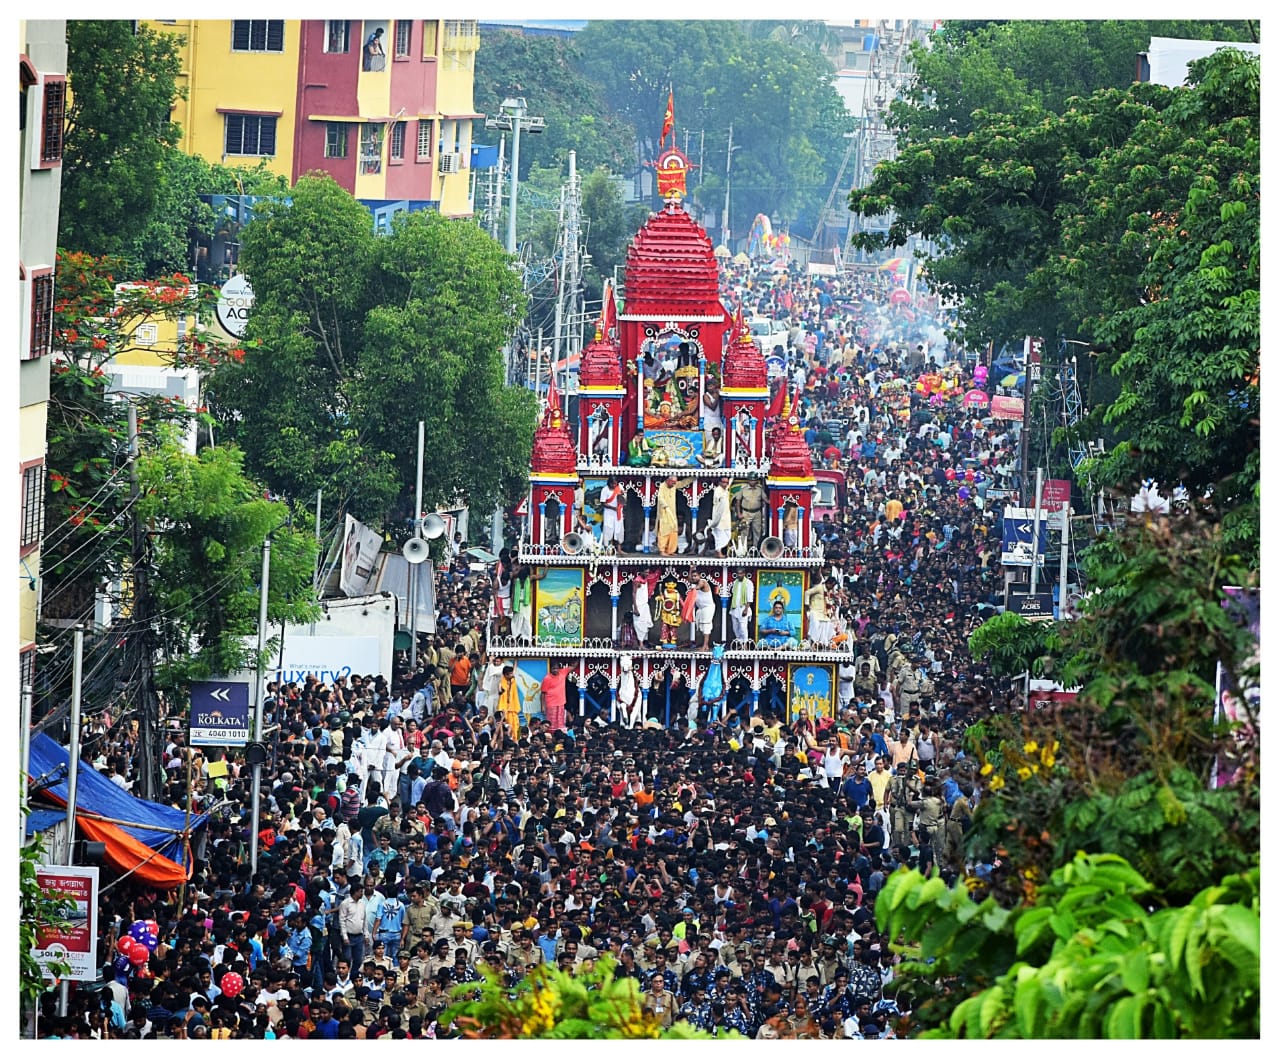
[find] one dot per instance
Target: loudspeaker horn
(771, 547)
(416, 550)
(572, 543)
(433, 526)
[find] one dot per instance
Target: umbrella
(1013, 381)
(721, 251)
(741, 259)
(482, 555)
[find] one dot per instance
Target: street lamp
(513, 118)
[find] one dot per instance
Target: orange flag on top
(669, 119)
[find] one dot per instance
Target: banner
(75, 944)
(1055, 494)
(327, 658)
(559, 607)
(360, 548)
(810, 689)
(219, 713)
(788, 587)
(1034, 608)
(1006, 407)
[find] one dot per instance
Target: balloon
(936, 399)
(964, 492)
(231, 984)
(137, 930)
(979, 477)
(950, 474)
(139, 955)
(150, 941)
(980, 374)
(125, 945)
(152, 926)
(969, 476)
(121, 966)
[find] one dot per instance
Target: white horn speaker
(416, 550)
(433, 526)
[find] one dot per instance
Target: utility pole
(73, 775)
(259, 676)
(728, 165)
(413, 567)
(1035, 530)
(141, 633)
(1062, 561)
(24, 761)
(573, 264)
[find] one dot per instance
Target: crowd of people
(417, 827)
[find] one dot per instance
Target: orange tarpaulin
(126, 854)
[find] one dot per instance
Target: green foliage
(208, 525)
(122, 85)
(1125, 767)
(545, 71)
(1010, 644)
(551, 1004)
(1072, 203)
(779, 96)
(1085, 958)
(357, 337)
(37, 909)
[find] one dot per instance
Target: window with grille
(41, 315)
(252, 134)
(424, 141)
(397, 141)
(32, 505)
(404, 31)
(259, 34)
(27, 668)
(55, 103)
(338, 35)
(370, 149)
(335, 140)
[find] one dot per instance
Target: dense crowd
(415, 830)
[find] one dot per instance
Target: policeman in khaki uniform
(904, 788)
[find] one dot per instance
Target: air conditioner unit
(451, 163)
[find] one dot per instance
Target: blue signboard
(1019, 524)
(219, 713)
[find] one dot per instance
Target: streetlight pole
(728, 165)
(517, 112)
(256, 790)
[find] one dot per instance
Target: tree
(545, 71)
(551, 1004)
(609, 225)
(161, 243)
(208, 525)
(1086, 957)
(122, 78)
(354, 338)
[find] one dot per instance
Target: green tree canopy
(357, 337)
(123, 83)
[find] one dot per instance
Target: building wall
(42, 50)
(219, 80)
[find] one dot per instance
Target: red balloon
(138, 955)
(950, 474)
(231, 984)
(125, 945)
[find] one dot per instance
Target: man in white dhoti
(630, 698)
(612, 498)
(741, 598)
(721, 521)
(642, 613)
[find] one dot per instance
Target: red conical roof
(553, 451)
(671, 267)
(744, 366)
(601, 364)
(789, 455)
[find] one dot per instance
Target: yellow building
(384, 106)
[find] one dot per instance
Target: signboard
(1034, 608)
(1006, 407)
(786, 587)
(219, 713)
(76, 944)
(1043, 700)
(976, 399)
(1055, 494)
(327, 658)
(234, 302)
(1015, 546)
(360, 548)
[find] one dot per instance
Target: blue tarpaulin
(483, 156)
(98, 795)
